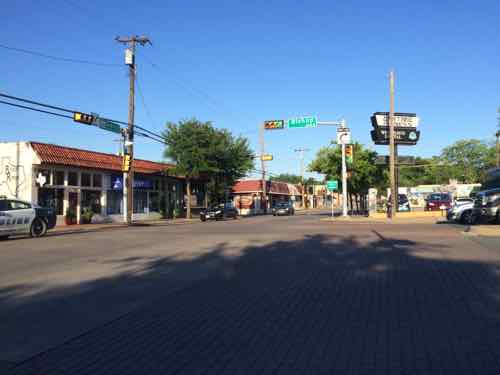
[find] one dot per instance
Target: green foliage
(200, 150)
(87, 215)
(287, 177)
(365, 173)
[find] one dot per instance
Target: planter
(69, 220)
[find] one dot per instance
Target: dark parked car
(283, 208)
(487, 205)
(438, 201)
(19, 217)
(219, 212)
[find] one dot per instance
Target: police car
(20, 217)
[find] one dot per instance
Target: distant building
(69, 178)
(248, 195)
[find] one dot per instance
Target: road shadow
(319, 304)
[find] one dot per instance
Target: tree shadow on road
(320, 304)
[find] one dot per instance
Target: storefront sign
(117, 183)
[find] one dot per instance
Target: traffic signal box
(349, 154)
(126, 163)
(274, 124)
(83, 118)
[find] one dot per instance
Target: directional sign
(266, 157)
(408, 136)
(343, 136)
(403, 120)
(332, 185)
(108, 125)
(302, 122)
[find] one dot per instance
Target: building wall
(16, 177)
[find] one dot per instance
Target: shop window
(53, 198)
(86, 179)
(91, 199)
(154, 202)
(97, 180)
(59, 178)
(72, 179)
(114, 202)
(140, 202)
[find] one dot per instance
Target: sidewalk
(84, 228)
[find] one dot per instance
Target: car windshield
(282, 205)
(439, 197)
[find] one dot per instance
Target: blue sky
(238, 63)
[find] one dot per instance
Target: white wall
(16, 170)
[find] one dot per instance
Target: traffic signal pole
(128, 176)
(392, 151)
(344, 182)
(263, 167)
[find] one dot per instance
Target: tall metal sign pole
(301, 157)
(128, 176)
(392, 151)
(263, 167)
(344, 183)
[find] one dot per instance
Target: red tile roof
(73, 157)
(255, 186)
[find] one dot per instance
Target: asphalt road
(263, 294)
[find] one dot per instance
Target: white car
(20, 217)
(462, 211)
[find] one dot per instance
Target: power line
(58, 58)
(37, 103)
(143, 101)
(36, 109)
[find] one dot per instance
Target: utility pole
(128, 176)
(498, 137)
(263, 167)
(301, 157)
(392, 150)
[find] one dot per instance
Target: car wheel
(467, 218)
(3, 238)
(38, 228)
(498, 218)
(203, 219)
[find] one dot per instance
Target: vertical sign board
(332, 185)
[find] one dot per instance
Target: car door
(5, 219)
(22, 215)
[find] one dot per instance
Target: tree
(365, 173)
(188, 145)
(467, 160)
(287, 177)
(232, 158)
(198, 149)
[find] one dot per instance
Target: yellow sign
(266, 157)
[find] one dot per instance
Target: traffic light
(349, 150)
(274, 124)
(84, 118)
(126, 163)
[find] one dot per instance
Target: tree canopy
(198, 149)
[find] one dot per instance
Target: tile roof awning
(73, 157)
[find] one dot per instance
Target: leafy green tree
(201, 151)
(232, 158)
(287, 177)
(188, 145)
(467, 160)
(364, 172)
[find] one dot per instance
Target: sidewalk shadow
(320, 304)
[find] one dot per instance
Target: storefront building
(71, 179)
(248, 195)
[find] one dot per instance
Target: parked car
(438, 201)
(403, 203)
(20, 217)
(487, 205)
(283, 208)
(219, 212)
(462, 211)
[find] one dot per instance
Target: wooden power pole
(128, 176)
(263, 167)
(392, 151)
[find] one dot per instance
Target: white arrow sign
(343, 136)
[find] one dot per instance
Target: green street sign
(302, 122)
(332, 185)
(108, 125)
